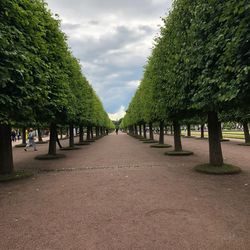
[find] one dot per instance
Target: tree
(22, 71)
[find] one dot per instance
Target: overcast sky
(112, 39)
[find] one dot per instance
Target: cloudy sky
(112, 39)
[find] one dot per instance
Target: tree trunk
(220, 130)
(61, 133)
(177, 136)
(91, 132)
(52, 139)
(161, 137)
(188, 130)
(67, 132)
(24, 136)
(144, 131)
(88, 132)
(151, 134)
(58, 141)
(81, 134)
(202, 130)
(131, 130)
(97, 131)
(214, 132)
(39, 135)
(171, 129)
(246, 132)
(135, 128)
(71, 136)
(140, 132)
(6, 157)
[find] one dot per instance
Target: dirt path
(120, 194)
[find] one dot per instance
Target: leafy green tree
(199, 66)
(41, 82)
(22, 70)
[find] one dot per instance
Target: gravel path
(119, 193)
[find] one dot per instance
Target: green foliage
(40, 81)
(22, 70)
(200, 63)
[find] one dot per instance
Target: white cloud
(112, 39)
(118, 115)
(133, 84)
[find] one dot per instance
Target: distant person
(107, 131)
(58, 141)
(116, 130)
(31, 140)
(13, 135)
(18, 135)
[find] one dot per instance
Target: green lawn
(226, 134)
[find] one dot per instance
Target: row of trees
(41, 83)
(198, 71)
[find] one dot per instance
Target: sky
(112, 39)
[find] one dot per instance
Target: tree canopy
(199, 65)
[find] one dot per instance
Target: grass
(18, 175)
(226, 134)
(217, 170)
(234, 132)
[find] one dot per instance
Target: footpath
(119, 193)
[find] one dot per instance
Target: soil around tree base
(64, 138)
(98, 137)
(90, 140)
(41, 142)
(244, 144)
(143, 139)
(217, 170)
(50, 157)
(224, 140)
(179, 153)
(69, 148)
(82, 143)
(139, 137)
(20, 146)
(136, 136)
(18, 175)
(150, 141)
(161, 146)
(185, 136)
